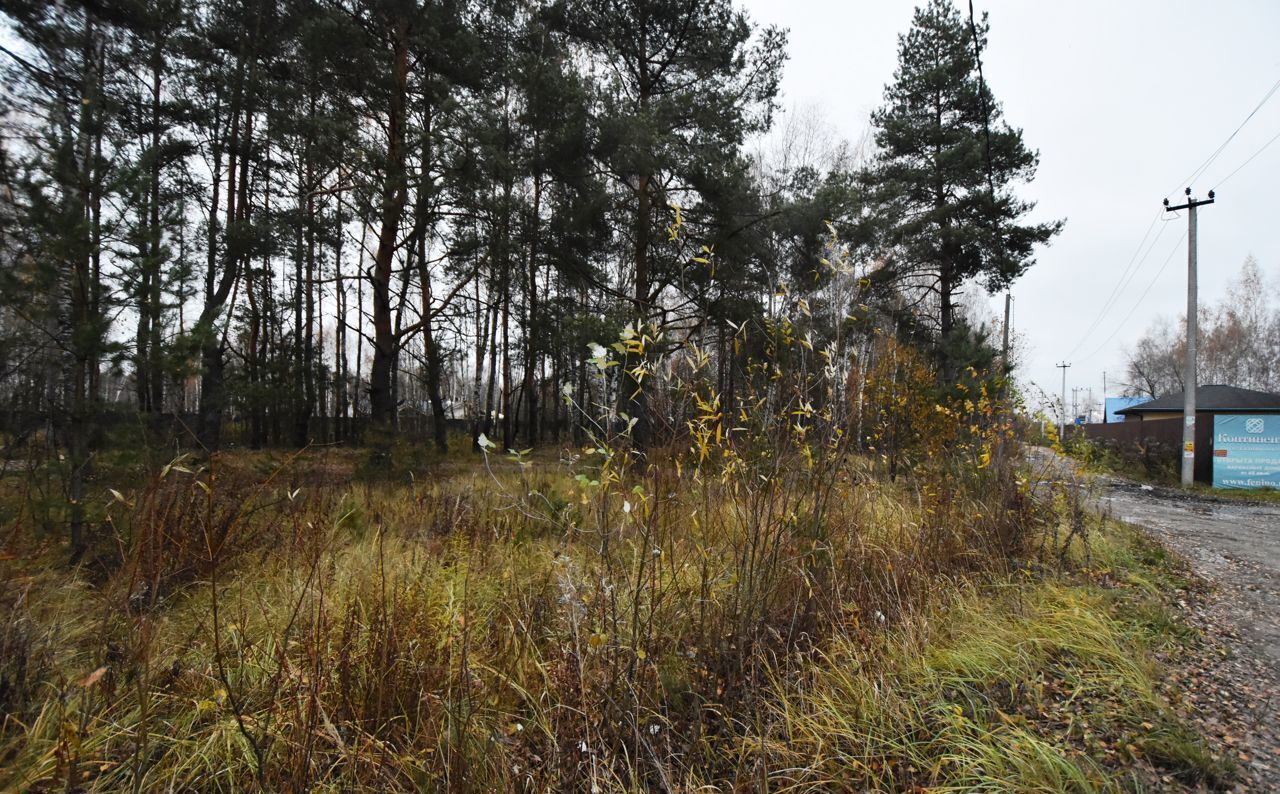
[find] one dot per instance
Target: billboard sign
(1246, 451)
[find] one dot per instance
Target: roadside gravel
(1230, 686)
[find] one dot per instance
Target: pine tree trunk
(482, 332)
(492, 326)
(302, 428)
(381, 391)
(340, 346)
(431, 352)
(82, 346)
(212, 391)
(253, 364)
(155, 398)
(507, 392)
(531, 312)
(299, 364)
(632, 397)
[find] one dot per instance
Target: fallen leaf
(93, 678)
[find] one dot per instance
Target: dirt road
(1234, 689)
(1237, 546)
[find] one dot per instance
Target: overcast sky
(1123, 100)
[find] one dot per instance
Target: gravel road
(1233, 688)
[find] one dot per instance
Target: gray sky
(1123, 100)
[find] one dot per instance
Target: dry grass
(753, 624)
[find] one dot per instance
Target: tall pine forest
(279, 224)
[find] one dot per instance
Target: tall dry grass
(755, 605)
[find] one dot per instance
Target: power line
(1126, 275)
(1274, 138)
(991, 182)
(1133, 263)
(1196, 173)
(1141, 297)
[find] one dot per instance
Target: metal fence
(1158, 438)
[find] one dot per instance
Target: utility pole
(1104, 396)
(1189, 373)
(1063, 366)
(1007, 373)
(1004, 348)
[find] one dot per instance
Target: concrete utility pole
(1189, 374)
(1004, 348)
(1007, 368)
(1104, 396)
(1063, 366)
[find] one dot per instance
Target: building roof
(1212, 398)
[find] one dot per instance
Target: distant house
(1147, 423)
(1210, 399)
(1113, 405)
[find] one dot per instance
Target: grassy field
(575, 621)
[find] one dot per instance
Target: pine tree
(156, 187)
(226, 93)
(67, 114)
(417, 53)
(944, 186)
(687, 86)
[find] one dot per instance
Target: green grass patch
(1046, 685)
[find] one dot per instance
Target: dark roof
(1211, 398)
